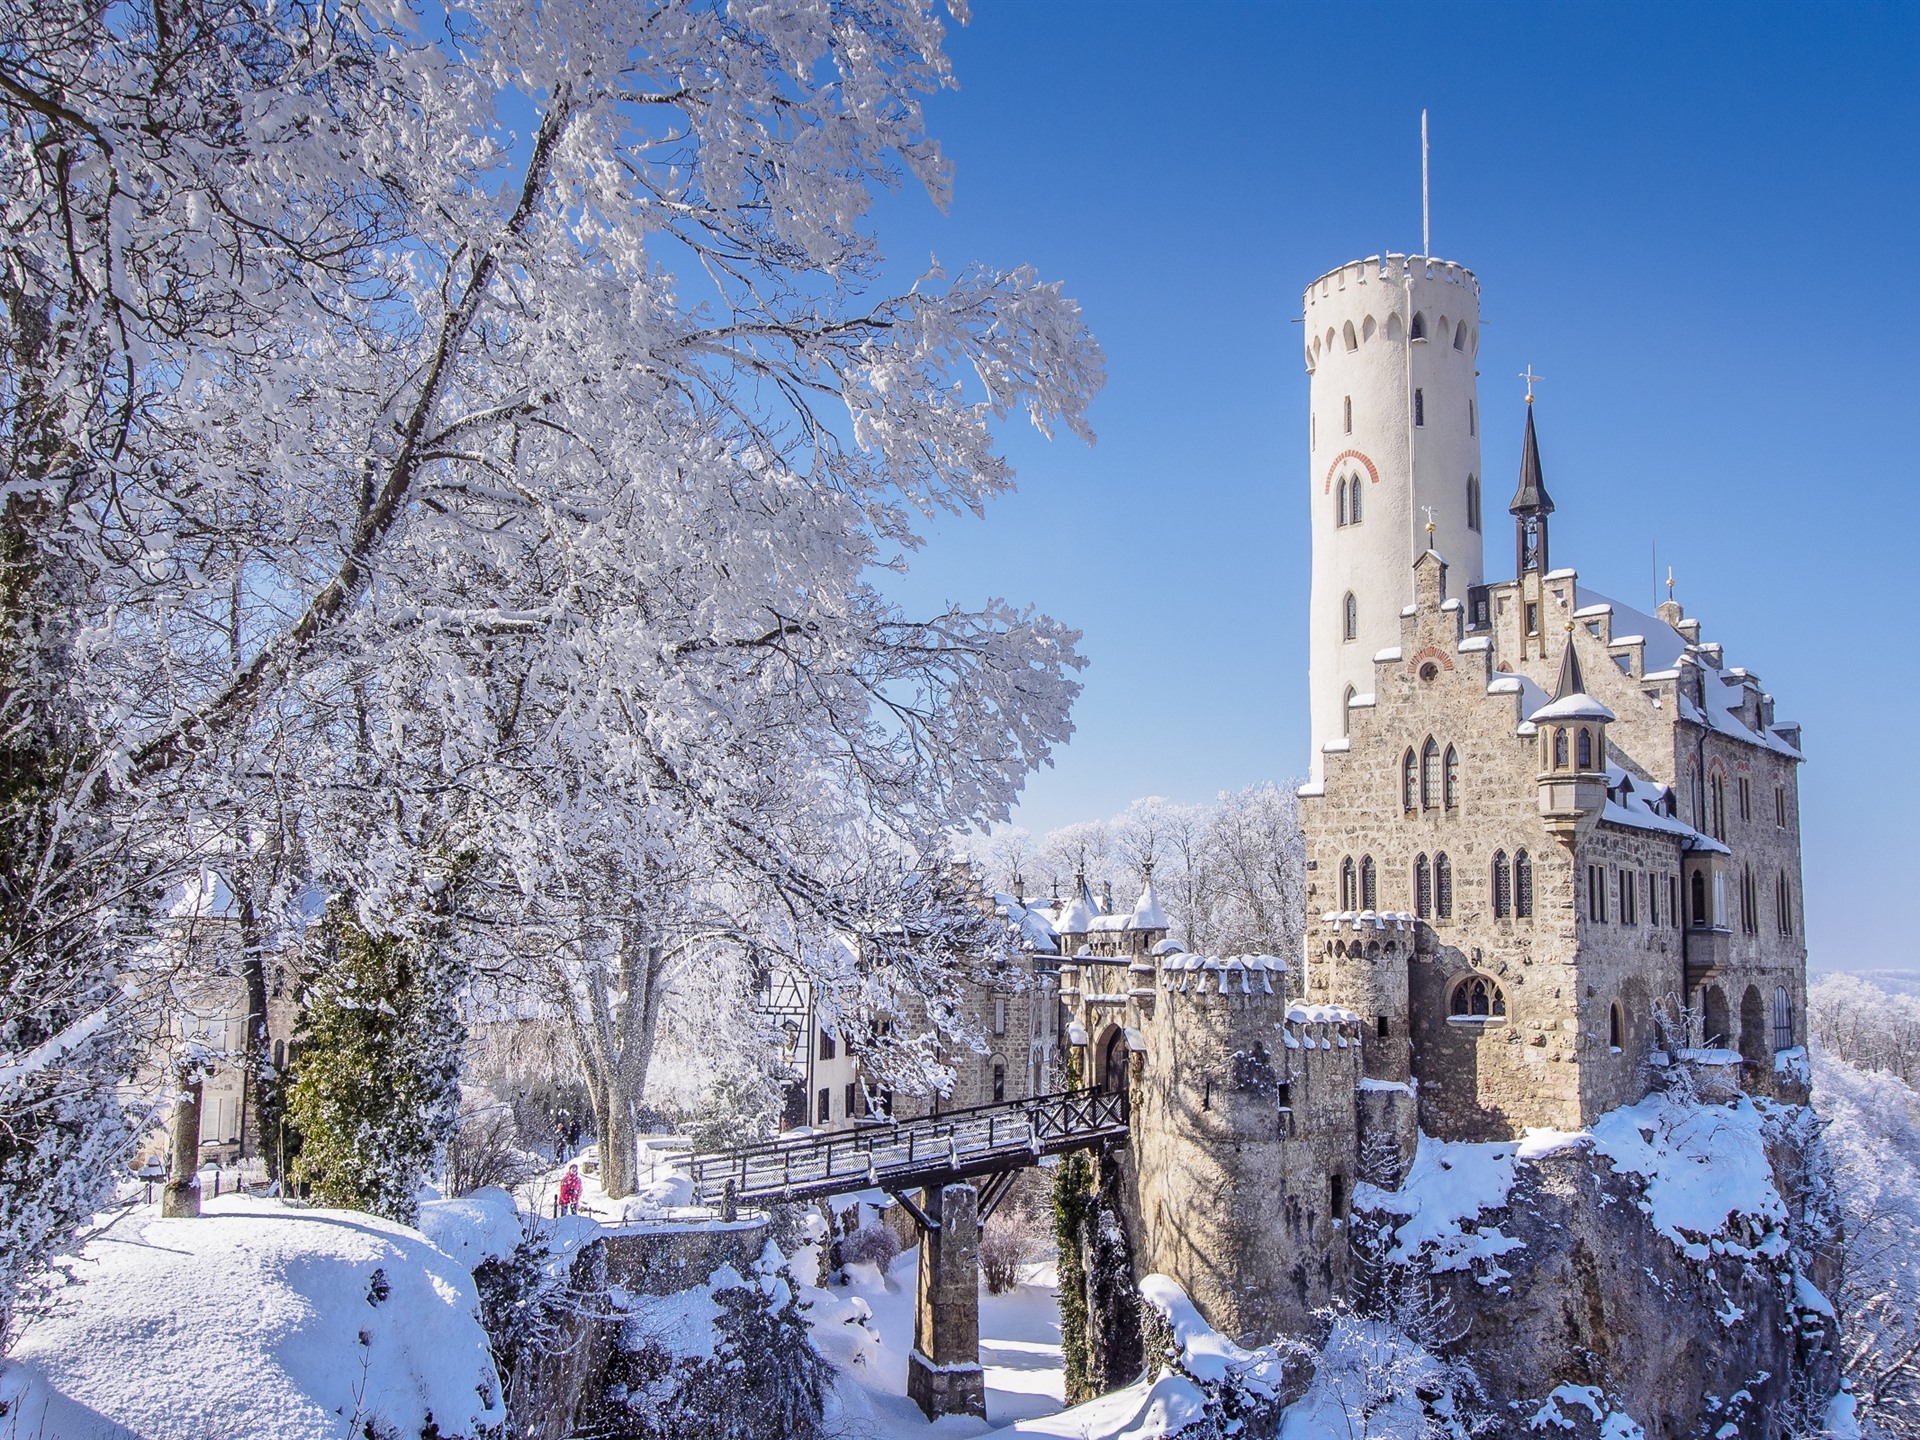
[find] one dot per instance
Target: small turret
(1531, 506)
(1573, 752)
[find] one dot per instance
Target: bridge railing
(957, 1141)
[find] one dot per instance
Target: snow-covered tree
(481, 430)
(375, 1093)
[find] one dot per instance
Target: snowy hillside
(257, 1320)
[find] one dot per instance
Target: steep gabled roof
(1531, 498)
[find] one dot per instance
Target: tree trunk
(180, 1200)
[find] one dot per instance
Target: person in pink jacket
(570, 1191)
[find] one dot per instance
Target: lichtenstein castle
(1543, 829)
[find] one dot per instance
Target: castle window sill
(1477, 1022)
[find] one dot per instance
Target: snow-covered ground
(258, 1319)
(866, 1329)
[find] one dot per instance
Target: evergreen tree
(375, 1092)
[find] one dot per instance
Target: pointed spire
(1531, 498)
(1571, 680)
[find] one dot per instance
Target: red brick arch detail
(1373, 470)
(1413, 665)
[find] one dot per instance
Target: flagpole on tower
(1426, 224)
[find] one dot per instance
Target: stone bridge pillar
(943, 1372)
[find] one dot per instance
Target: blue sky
(1698, 222)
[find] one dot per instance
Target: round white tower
(1395, 429)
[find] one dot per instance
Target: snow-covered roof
(1578, 706)
(207, 896)
(1035, 927)
(1645, 806)
(1147, 914)
(1075, 918)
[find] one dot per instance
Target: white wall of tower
(1366, 369)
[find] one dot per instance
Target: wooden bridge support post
(943, 1371)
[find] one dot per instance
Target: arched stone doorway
(1754, 1047)
(1113, 1063)
(1714, 1025)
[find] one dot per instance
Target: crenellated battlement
(1389, 269)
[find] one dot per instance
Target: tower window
(1522, 885)
(1429, 775)
(1743, 788)
(1369, 899)
(1346, 334)
(1423, 888)
(1780, 806)
(1418, 331)
(1353, 501)
(1585, 748)
(1349, 893)
(1699, 898)
(1616, 1027)
(1340, 503)
(1473, 503)
(1408, 779)
(1346, 401)
(1785, 901)
(1559, 749)
(1782, 1018)
(1533, 618)
(1502, 885)
(1473, 420)
(1419, 407)
(1346, 712)
(1597, 894)
(1477, 999)
(1460, 338)
(1349, 617)
(1451, 793)
(1443, 887)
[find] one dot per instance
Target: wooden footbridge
(935, 1156)
(902, 1156)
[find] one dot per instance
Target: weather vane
(1430, 525)
(1669, 582)
(1528, 376)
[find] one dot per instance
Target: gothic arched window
(1347, 889)
(1423, 888)
(1443, 887)
(1522, 885)
(1473, 503)
(1408, 779)
(1782, 1019)
(1349, 617)
(1419, 328)
(1340, 505)
(1429, 775)
(1477, 998)
(1502, 885)
(1451, 793)
(1346, 712)
(1785, 897)
(1369, 899)
(1559, 749)
(1585, 748)
(1353, 501)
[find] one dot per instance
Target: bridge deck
(912, 1153)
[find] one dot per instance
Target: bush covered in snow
(730, 1360)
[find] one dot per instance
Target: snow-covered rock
(259, 1320)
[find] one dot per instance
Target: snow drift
(258, 1320)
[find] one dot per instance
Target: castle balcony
(1708, 950)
